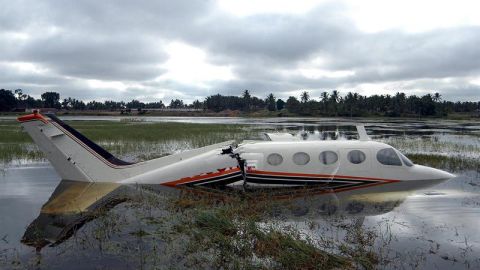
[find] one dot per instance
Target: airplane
(280, 161)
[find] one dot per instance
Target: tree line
(327, 104)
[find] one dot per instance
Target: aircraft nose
(443, 174)
(432, 173)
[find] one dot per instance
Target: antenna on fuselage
(362, 133)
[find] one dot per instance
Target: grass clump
(213, 222)
(230, 235)
(15, 151)
(291, 252)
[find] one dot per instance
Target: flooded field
(48, 223)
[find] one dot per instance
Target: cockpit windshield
(405, 160)
(388, 156)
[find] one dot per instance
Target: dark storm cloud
(275, 39)
(100, 57)
(399, 56)
(125, 41)
(382, 57)
(94, 39)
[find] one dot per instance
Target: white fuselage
(339, 164)
(304, 160)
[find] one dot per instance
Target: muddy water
(431, 228)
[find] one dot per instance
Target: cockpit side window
(356, 156)
(405, 160)
(388, 156)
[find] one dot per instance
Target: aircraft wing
(170, 159)
(281, 137)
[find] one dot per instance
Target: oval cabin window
(388, 156)
(356, 156)
(301, 158)
(274, 159)
(328, 157)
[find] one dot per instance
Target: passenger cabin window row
(386, 156)
(302, 158)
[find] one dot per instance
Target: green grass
(132, 139)
(455, 155)
(11, 132)
(132, 131)
(451, 163)
(229, 235)
(155, 132)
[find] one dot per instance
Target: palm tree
(334, 98)
(246, 94)
(247, 100)
(304, 96)
(324, 97)
(437, 97)
(271, 102)
(350, 100)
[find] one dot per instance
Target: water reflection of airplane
(74, 203)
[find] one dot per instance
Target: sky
(188, 49)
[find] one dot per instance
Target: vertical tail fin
(77, 158)
(72, 155)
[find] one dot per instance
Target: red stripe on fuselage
(196, 178)
(320, 176)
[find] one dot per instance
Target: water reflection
(70, 206)
(73, 204)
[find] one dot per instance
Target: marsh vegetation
(155, 230)
(131, 139)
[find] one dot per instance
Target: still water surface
(433, 228)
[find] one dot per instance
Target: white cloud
(188, 65)
(385, 88)
(190, 49)
(373, 15)
(112, 85)
(475, 81)
(412, 15)
(24, 67)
